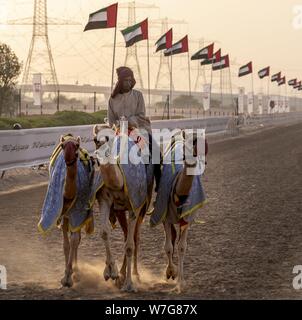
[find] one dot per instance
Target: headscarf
(122, 73)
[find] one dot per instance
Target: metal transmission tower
(40, 58)
(226, 86)
(40, 55)
(131, 59)
(164, 69)
(201, 70)
(201, 74)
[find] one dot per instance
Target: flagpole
(285, 99)
(148, 58)
(221, 95)
(211, 84)
(294, 97)
(113, 60)
(279, 93)
(211, 74)
(171, 82)
(252, 76)
(189, 69)
(268, 83)
(296, 100)
(230, 78)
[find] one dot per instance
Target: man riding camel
(129, 103)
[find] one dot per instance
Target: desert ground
(244, 245)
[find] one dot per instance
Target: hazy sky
(257, 30)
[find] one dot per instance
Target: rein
(71, 163)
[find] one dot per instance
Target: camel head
(70, 146)
(102, 134)
(103, 138)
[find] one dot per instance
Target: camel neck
(71, 171)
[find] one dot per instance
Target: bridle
(73, 161)
(98, 143)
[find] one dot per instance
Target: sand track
(246, 248)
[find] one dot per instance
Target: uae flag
(281, 81)
(165, 41)
(136, 33)
(224, 62)
(205, 53)
(104, 18)
(297, 85)
(206, 62)
(276, 77)
(246, 69)
(264, 73)
(216, 58)
(179, 47)
(292, 82)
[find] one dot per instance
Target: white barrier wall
(21, 148)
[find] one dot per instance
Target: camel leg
(110, 270)
(122, 219)
(137, 246)
(129, 251)
(74, 242)
(182, 247)
(123, 222)
(76, 252)
(76, 276)
(171, 271)
(66, 244)
(122, 274)
(174, 235)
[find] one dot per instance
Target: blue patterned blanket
(170, 171)
(138, 177)
(138, 180)
(89, 181)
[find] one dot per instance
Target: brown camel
(113, 194)
(71, 242)
(181, 189)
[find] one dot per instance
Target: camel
(114, 203)
(70, 148)
(179, 193)
(61, 197)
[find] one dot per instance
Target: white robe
(131, 105)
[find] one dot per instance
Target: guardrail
(273, 118)
(29, 147)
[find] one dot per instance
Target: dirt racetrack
(246, 245)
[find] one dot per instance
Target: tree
(10, 69)
(65, 100)
(185, 101)
(160, 104)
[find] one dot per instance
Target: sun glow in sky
(266, 32)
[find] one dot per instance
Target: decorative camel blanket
(170, 171)
(137, 177)
(89, 181)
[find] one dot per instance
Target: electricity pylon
(40, 59)
(40, 55)
(164, 69)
